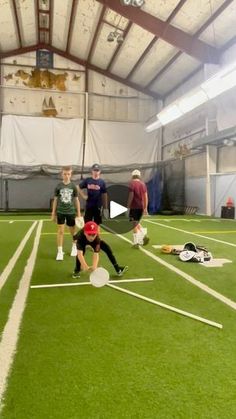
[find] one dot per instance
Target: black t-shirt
(82, 242)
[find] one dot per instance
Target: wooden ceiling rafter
(50, 21)
(174, 36)
(71, 24)
(96, 33)
(20, 51)
(199, 31)
(17, 23)
(119, 46)
(99, 70)
(153, 41)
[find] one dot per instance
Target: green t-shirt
(65, 198)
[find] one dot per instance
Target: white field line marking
(171, 308)
(23, 221)
(190, 232)
(216, 232)
(6, 272)
(212, 220)
(11, 330)
(189, 278)
(73, 284)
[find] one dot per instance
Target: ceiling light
(135, 3)
(192, 101)
(120, 39)
(170, 113)
(111, 37)
(228, 142)
(222, 81)
(153, 126)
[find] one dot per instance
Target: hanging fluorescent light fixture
(192, 101)
(170, 113)
(219, 83)
(154, 125)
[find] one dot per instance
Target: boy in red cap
(89, 236)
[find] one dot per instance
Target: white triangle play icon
(116, 209)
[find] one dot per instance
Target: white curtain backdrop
(120, 144)
(30, 145)
(31, 141)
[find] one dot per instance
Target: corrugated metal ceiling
(164, 42)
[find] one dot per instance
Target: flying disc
(99, 277)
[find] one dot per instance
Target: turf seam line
(7, 271)
(10, 334)
(189, 278)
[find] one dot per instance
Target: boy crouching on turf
(89, 236)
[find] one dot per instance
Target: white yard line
(189, 278)
(168, 220)
(23, 221)
(6, 272)
(11, 330)
(171, 308)
(74, 284)
(190, 232)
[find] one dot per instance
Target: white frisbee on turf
(99, 277)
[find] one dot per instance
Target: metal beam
(125, 33)
(98, 28)
(214, 139)
(37, 19)
(101, 71)
(153, 41)
(200, 30)
(17, 23)
(51, 4)
(72, 15)
(20, 51)
(174, 36)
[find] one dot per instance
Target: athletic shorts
(93, 214)
(135, 214)
(69, 219)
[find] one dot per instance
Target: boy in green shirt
(65, 208)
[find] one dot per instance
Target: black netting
(173, 194)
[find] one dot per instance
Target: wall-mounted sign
(44, 59)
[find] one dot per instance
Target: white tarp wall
(29, 142)
(121, 146)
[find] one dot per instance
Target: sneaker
(135, 246)
(73, 250)
(60, 256)
(122, 270)
(146, 240)
(76, 275)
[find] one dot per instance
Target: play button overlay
(118, 222)
(116, 209)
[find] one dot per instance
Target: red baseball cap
(91, 228)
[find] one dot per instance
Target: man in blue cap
(96, 197)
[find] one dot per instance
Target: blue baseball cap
(96, 167)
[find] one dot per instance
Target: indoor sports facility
(144, 91)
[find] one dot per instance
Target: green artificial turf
(95, 353)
